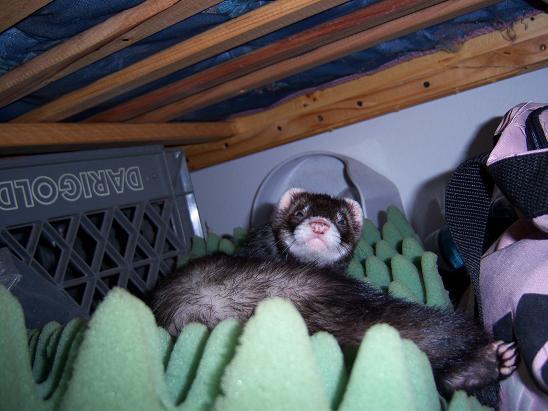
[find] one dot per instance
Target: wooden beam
(482, 60)
(13, 11)
(15, 137)
(114, 34)
(340, 48)
(299, 43)
(386, 79)
(247, 27)
(402, 73)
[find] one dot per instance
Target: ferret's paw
(507, 357)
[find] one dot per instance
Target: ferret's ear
(355, 212)
(287, 198)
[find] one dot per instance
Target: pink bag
(510, 276)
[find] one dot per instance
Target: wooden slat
(247, 27)
(321, 55)
(400, 74)
(388, 78)
(302, 42)
(180, 11)
(15, 137)
(13, 11)
(479, 61)
(114, 34)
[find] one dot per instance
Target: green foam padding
(377, 272)
(41, 362)
(184, 359)
(462, 402)
(391, 235)
(274, 367)
(218, 351)
(120, 352)
(51, 345)
(399, 290)
(331, 362)
(17, 387)
(421, 378)
(226, 246)
(239, 234)
(405, 272)
(212, 243)
(370, 233)
(166, 345)
(32, 333)
(56, 397)
(436, 294)
(395, 216)
(67, 336)
(363, 250)
(459, 402)
(379, 379)
(355, 269)
(412, 249)
(198, 248)
(117, 361)
(385, 251)
(33, 343)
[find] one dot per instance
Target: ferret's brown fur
(215, 288)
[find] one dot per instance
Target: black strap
(467, 201)
(534, 131)
(524, 181)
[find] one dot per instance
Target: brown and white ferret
(300, 258)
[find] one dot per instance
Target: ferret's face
(317, 228)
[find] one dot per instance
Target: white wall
(416, 148)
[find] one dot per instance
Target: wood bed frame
(145, 119)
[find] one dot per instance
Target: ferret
(299, 256)
(214, 288)
(308, 228)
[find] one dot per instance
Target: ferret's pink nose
(319, 226)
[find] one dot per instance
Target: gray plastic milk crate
(78, 224)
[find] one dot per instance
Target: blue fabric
(443, 36)
(61, 19)
(50, 25)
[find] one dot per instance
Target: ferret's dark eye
(342, 221)
(299, 214)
